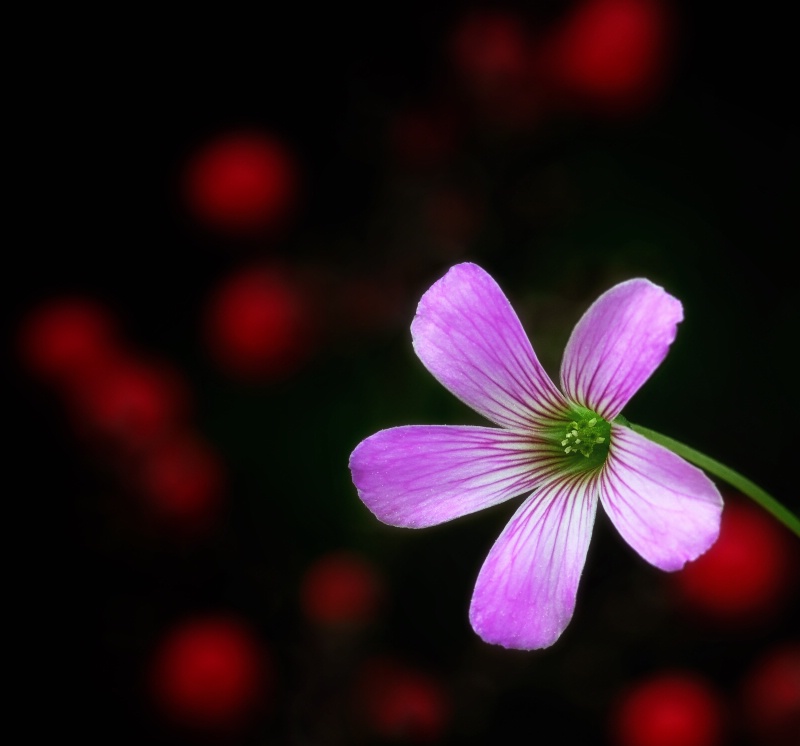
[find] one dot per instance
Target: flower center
(583, 435)
(586, 437)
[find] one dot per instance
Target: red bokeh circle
(258, 324)
(746, 574)
(670, 709)
(398, 702)
(210, 673)
(242, 182)
(340, 588)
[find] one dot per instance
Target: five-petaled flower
(564, 449)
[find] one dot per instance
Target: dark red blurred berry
(131, 402)
(611, 52)
(771, 696)
(258, 324)
(242, 182)
(341, 588)
(669, 709)
(400, 703)
(746, 575)
(491, 53)
(210, 673)
(489, 48)
(181, 478)
(65, 340)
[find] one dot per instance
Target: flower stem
(744, 485)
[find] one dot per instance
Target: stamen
(583, 435)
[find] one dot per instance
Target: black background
(105, 111)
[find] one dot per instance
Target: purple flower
(564, 450)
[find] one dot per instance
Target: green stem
(744, 485)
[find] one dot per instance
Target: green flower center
(586, 438)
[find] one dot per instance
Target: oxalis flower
(565, 449)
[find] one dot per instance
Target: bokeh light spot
(771, 696)
(210, 672)
(65, 340)
(181, 478)
(132, 402)
(612, 52)
(402, 703)
(258, 324)
(341, 588)
(746, 575)
(489, 48)
(242, 182)
(670, 709)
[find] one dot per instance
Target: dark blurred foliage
(218, 498)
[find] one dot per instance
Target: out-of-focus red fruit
(670, 709)
(131, 402)
(746, 575)
(612, 52)
(771, 696)
(400, 703)
(210, 673)
(489, 48)
(182, 477)
(66, 340)
(242, 183)
(341, 588)
(490, 51)
(258, 324)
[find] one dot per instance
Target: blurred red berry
(612, 52)
(65, 340)
(132, 402)
(746, 574)
(400, 703)
(181, 477)
(670, 709)
(771, 696)
(339, 589)
(490, 51)
(490, 48)
(242, 182)
(258, 324)
(210, 673)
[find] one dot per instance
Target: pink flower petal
(618, 343)
(422, 475)
(525, 593)
(468, 336)
(665, 508)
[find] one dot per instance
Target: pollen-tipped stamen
(584, 434)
